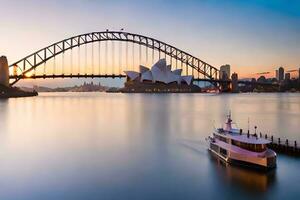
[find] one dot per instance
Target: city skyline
(245, 35)
(149, 99)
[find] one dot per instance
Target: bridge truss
(29, 64)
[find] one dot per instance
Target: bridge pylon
(4, 71)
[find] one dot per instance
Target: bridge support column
(4, 71)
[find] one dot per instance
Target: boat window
(214, 147)
(221, 130)
(250, 147)
(224, 139)
(223, 152)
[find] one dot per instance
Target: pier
(283, 145)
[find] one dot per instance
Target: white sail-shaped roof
(161, 64)
(157, 74)
(177, 72)
(188, 79)
(160, 72)
(171, 77)
(143, 69)
(169, 67)
(146, 76)
(132, 75)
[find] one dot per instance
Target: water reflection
(3, 117)
(250, 180)
(139, 146)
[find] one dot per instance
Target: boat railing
(282, 145)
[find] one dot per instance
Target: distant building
(262, 79)
(160, 72)
(159, 78)
(234, 83)
(280, 74)
(273, 80)
(88, 87)
(224, 72)
(287, 76)
(277, 74)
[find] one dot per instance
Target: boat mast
(248, 125)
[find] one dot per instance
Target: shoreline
(298, 92)
(14, 92)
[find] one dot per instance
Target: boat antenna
(229, 115)
(214, 124)
(248, 125)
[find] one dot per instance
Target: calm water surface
(138, 146)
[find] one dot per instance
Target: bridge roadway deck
(53, 76)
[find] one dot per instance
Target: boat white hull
(257, 162)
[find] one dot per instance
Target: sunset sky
(252, 36)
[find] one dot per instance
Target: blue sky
(252, 36)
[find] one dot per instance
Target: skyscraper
(224, 72)
(234, 83)
(287, 76)
(280, 74)
(277, 74)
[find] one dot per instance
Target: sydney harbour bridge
(106, 55)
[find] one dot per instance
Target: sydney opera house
(160, 78)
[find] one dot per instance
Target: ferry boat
(234, 146)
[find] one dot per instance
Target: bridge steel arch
(41, 56)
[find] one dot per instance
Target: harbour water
(139, 146)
